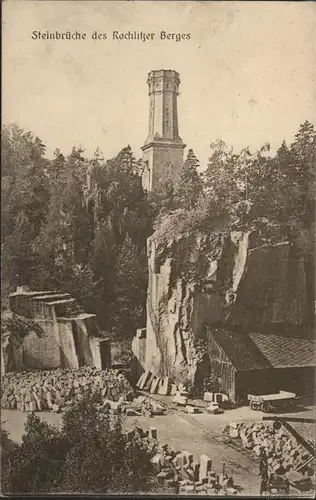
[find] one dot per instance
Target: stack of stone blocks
(179, 470)
(284, 453)
(56, 390)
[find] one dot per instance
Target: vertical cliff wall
(192, 281)
(218, 278)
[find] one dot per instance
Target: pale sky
(247, 73)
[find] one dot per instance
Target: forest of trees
(86, 234)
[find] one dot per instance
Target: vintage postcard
(158, 248)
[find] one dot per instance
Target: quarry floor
(198, 433)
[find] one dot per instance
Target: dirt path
(197, 433)
(181, 431)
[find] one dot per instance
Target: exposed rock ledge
(218, 278)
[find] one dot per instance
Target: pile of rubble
(284, 454)
(56, 390)
(143, 405)
(162, 386)
(179, 470)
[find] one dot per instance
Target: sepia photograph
(158, 248)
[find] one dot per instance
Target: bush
(89, 454)
(7, 449)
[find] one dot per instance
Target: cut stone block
(179, 460)
(140, 380)
(205, 466)
(163, 387)
(213, 408)
(153, 433)
(173, 390)
(141, 333)
(170, 481)
(145, 377)
(162, 476)
(211, 477)
(200, 488)
(188, 457)
(219, 397)
(149, 382)
(180, 400)
(208, 396)
(184, 482)
(196, 470)
(231, 491)
(187, 472)
(233, 433)
(154, 385)
(182, 387)
(192, 409)
(157, 462)
(189, 488)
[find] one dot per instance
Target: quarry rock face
(57, 333)
(218, 278)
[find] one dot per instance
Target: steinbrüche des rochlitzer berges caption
(113, 35)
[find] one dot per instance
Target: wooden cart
(271, 402)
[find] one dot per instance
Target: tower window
(168, 168)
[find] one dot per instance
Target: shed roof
(285, 351)
(258, 351)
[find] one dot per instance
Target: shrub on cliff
(88, 455)
(205, 217)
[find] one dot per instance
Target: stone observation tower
(163, 149)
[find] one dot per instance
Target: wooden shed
(261, 363)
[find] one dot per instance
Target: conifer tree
(189, 186)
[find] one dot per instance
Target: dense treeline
(81, 225)
(88, 454)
